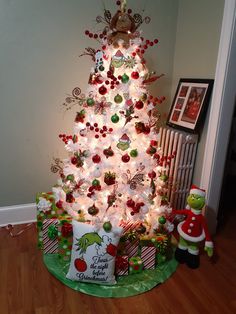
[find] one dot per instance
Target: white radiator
(182, 166)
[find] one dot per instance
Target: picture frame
(190, 103)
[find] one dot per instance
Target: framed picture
(190, 103)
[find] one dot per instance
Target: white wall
(40, 42)
(196, 50)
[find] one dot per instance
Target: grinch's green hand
(87, 240)
(209, 250)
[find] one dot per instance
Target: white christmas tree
(115, 170)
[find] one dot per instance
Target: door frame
(221, 112)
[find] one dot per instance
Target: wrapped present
(135, 265)
(46, 209)
(49, 234)
(148, 256)
(129, 225)
(131, 247)
(65, 237)
(122, 265)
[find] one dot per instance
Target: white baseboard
(17, 214)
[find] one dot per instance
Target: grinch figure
(193, 230)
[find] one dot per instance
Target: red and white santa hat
(196, 190)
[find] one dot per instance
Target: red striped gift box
(131, 248)
(50, 246)
(129, 225)
(148, 256)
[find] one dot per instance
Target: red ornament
(153, 143)
(135, 75)
(59, 204)
(125, 158)
(102, 90)
(66, 230)
(139, 104)
(80, 265)
(70, 198)
(152, 175)
(96, 159)
(74, 160)
(130, 203)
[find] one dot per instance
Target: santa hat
(124, 138)
(196, 190)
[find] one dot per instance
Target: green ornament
(70, 177)
(125, 78)
(101, 68)
(134, 153)
(107, 226)
(52, 232)
(115, 118)
(90, 102)
(162, 220)
(118, 99)
(163, 177)
(144, 97)
(95, 182)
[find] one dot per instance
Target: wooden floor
(27, 287)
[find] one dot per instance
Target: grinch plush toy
(193, 230)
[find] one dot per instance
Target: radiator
(181, 169)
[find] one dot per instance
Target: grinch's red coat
(194, 227)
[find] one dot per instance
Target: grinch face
(195, 201)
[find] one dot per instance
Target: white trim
(188, 237)
(197, 192)
(17, 214)
(215, 150)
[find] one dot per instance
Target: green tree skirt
(126, 285)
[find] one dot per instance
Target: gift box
(131, 247)
(50, 236)
(46, 209)
(135, 265)
(148, 256)
(122, 265)
(129, 225)
(65, 237)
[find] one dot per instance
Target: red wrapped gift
(148, 256)
(131, 248)
(129, 225)
(122, 265)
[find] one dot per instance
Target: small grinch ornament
(193, 230)
(118, 59)
(124, 142)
